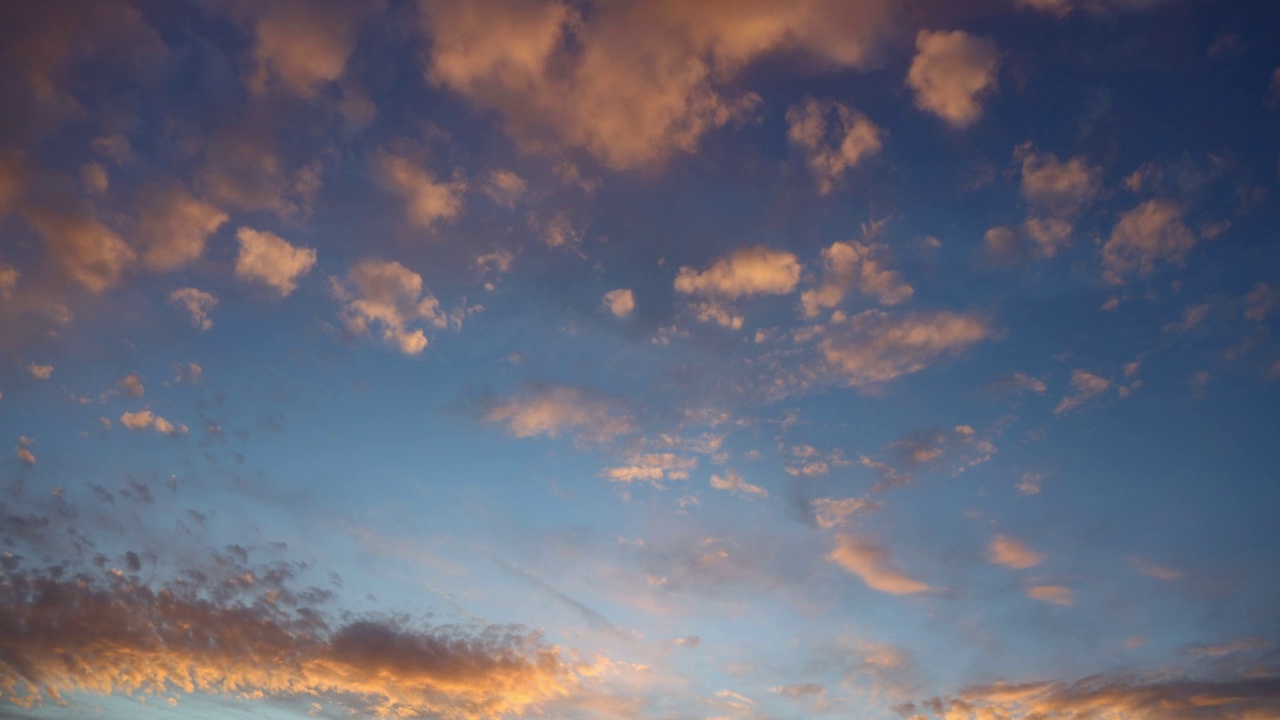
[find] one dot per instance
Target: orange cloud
(269, 259)
(390, 297)
(1146, 236)
(1056, 594)
(196, 303)
(86, 250)
(874, 347)
(874, 564)
(853, 266)
(732, 481)
(831, 148)
(553, 411)
(1012, 553)
(428, 199)
(755, 270)
(951, 73)
(173, 227)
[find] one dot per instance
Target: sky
(663, 360)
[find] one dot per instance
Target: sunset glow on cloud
(640, 360)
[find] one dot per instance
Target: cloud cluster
(1056, 192)
(874, 347)
(952, 73)
(147, 420)
(834, 138)
(855, 267)
(557, 410)
(744, 272)
(732, 481)
(385, 298)
(1145, 237)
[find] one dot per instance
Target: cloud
(874, 347)
(1016, 382)
(874, 564)
(1259, 302)
(1057, 193)
(1029, 483)
(1084, 385)
(8, 281)
(132, 386)
(652, 468)
(301, 45)
(833, 147)
(40, 372)
(243, 169)
(1002, 245)
(1162, 697)
(427, 199)
(505, 188)
(1243, 644)
(951, 73)
(556, 410)
(1159, 572)
(755, 270)
(1056, 594)
(124, 637)
(196, 303)
(386, 299)
(853, 266)
(732, 481)
(1062, 8)
(23, 450)
(145, 420)
(88, 252)
(620, 302)
(632, 83)
(173, 227)
(269, 259)
(1012, 553)
(1146, 236)
(834, 512)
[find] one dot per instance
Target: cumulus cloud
(834, 138)
(874, 565)
(874, 347)
(1084, 385)
(951, 74)
(301, 45)
(130, 638)
(87, 251)
(197, 304)
(428, 200)
(1145, 237)
(620, 302)
(1002, 245)
(173, 227)
(1056, 594)
(269, 259)
(146, 420)
(505, 188)
(1163, 697)
(630, 82)
(40, 372)
(132, 385)
(732, 481)
(1016, 382)
(1012, 553)
(23, 450)
(854, 266)
(557, 410)
(652, 468)
(385, 298)
(1056, 192)
(834, 512)
(755, 270)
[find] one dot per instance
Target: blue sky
(643, 360)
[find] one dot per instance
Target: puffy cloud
(553, 411)
(732, 481)
(86, 250)
(1056, 594)
(173, 228)
(832, 147)
(94, 178)
(951, 73)
(132, 385)
(1002, 244)
(833, 512)
(874, 565)
(1012, 553)
(853, 266)
(40, 372)
(505, 188)
(1159, 572)
(128, 638)
(1084, 385)
(8, 281)
(1148, 235)
(1111, 697)
(243, 169)
(301, 45)
(874, 347)
(428, 200)
(145, 420)
(196, 303)
(23, 450)
(386, 298)
(755, 270)
(620, 302)
(652, 468)
(630, 82)
(1057, 192)
(269, 259)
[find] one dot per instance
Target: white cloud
(386, 299)
(267, 258)
(428, 200)
(732, 481)
(853, 266)
(620, 302)
(874, 347)
(951, 73)
(831, 147)
(874, 565)
(1146, 236)
(196, 303)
